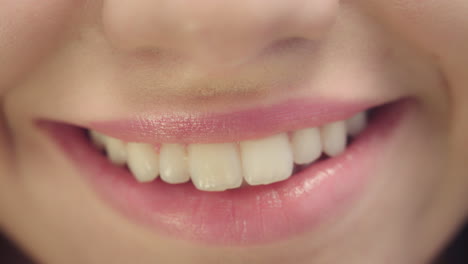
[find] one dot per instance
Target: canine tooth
(143, 161)
(98, 139)
(356, 124)
(173, 163)
(116, 150)
(215, 167)
(334, 138)
(306, 145)
(267, 160)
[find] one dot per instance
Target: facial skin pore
(82, 61)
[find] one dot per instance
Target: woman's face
(190, 80)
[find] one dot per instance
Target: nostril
(211, 33)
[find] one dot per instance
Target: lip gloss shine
(185, 127)
(327, 189)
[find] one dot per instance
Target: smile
(222, 166)
(253, 176)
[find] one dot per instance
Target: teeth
(218, 167)
(143, 161)
(98, 139)
(267, 160)
(173, 164)
(215, 167)
(116, 150)
(306, 145)
(356, 124)
(334, 138)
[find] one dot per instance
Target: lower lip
(251, 215)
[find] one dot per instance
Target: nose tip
(212, 31)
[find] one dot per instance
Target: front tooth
(116, 150)
(143, 161)
(306, 145)
(267, 160)
(334, 138)
(173, 163)
(356, 124)
(98, 139)
(215, 167)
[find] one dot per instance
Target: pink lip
(326, 190)
(182, 127)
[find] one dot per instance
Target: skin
(77, 61)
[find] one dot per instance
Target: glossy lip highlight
(184, 127)
(250, 215)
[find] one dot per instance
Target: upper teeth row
(221, 166)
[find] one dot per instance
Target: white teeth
(356, 124)
(143, 161)
(306, 145)
(267, 160)
(334, 138)
(116, 150)
(98, 139)
(215, 167)
(173, 163)
(218, 167)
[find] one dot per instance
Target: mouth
(249, 177)
(222, 166)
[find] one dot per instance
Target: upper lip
(200, 127)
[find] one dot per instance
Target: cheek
(28, 30)
(439, 26)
